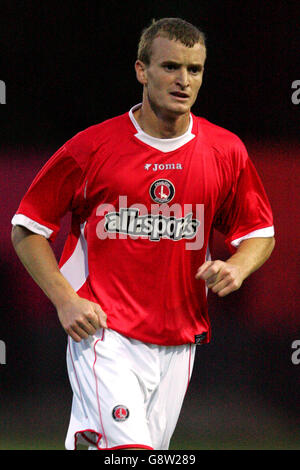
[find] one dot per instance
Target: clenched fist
(81, 317)
(220, 276)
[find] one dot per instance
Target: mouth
(179, 95)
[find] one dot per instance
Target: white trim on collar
(164, 145)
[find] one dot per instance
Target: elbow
(271, 245)
(14, 235)
(18, 233)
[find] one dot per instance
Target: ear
(141, 72)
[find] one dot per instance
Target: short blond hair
(172, 28)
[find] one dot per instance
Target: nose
(182, 78)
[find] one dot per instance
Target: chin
(172, 109)
(180, 109)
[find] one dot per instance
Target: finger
(219, 277)
(102, 317)
(231, 287)
(213, 280)
(211, 270)
(93, 320)
(87, 326)
(220, 284)
(77, 333)
(75, 336)
(202, 269)
(227, 290)
(226, 286)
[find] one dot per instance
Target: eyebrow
(178, 64)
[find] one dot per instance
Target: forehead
(164, 49)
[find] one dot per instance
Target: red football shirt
(143, 210)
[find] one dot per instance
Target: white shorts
(125, 393)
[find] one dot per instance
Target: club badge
(162, 191)
(120, 413)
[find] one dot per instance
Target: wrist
(241, 262)
(60, 292)
(60, 300)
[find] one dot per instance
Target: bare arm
(224, 277)
(79, 317)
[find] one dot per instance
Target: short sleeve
(51, 195)
(246, 211)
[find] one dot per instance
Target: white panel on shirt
(75, 269)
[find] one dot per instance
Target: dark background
(68, 65)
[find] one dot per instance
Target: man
(145, 190)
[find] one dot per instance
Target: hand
(220, 276)
(80, 318)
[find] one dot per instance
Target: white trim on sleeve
(262, 232)
(20, 219)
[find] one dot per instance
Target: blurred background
(68, 65)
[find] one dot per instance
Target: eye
(195, 69)
(170, 66)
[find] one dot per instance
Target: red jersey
(143, 210)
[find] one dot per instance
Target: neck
(160, 123)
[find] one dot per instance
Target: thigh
(108, 402)
(166, 403)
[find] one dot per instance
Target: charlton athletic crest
(162, 191)
(120, 413)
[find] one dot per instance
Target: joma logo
(163, 166)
